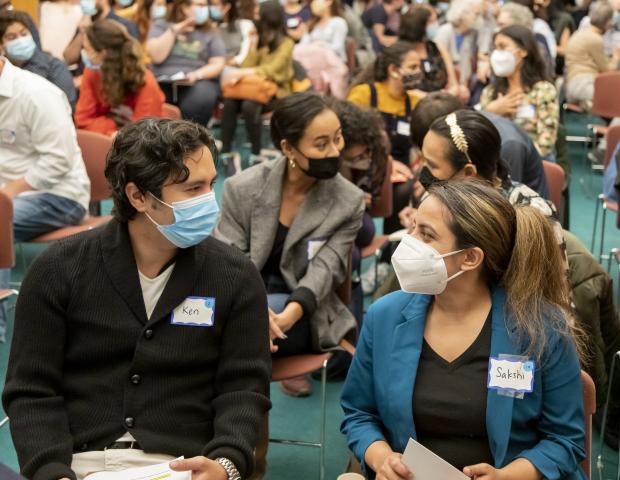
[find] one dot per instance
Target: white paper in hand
(161, 471)
(425, 465)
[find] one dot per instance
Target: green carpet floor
(299, 418)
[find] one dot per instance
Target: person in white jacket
(41, 165)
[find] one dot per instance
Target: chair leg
(603, 221)
(323, 420)
(596, 209)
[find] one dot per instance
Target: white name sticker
(511, 375)
(314, 246)
(526, 111)
(195, 311)
(403, 128)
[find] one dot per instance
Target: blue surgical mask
(21, 49)
(88, 62)
(158, 12)
(616, 18)
(215, 13)
(89, 7)
(124, 3)
(201, 15)
(194, 220)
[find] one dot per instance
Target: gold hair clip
(458, 136)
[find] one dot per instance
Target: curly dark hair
(534, 68)
(150, 153)
(364, 126)
(123, 68)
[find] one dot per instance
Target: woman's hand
(184, 26)
(393, 468)
(401, 173)
(483, 471)
(122, 115)
(288, 317)
(407, 217)
(505, 105)
(202, 468)
(274, 331)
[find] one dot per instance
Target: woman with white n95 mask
(521, 88)
(483, 294)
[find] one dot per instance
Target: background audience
(188, 57)
(116, 87)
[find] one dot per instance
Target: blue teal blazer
(546, 427)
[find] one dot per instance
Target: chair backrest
(7, 255)
(383, 207)
(556, 179)
(95, 148)
(606, 101)
(171, 111)
(589, 406)
(611, 139)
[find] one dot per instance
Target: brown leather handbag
(251, 87)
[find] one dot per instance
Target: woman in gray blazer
(297, 218)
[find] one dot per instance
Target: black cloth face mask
(322, 168)
(427, 179)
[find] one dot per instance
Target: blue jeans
(35, 215)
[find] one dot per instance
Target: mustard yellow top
(386, 103)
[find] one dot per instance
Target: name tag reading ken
(511, 375)
(195, 311)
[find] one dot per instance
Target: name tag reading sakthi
(511, 375)
(195, 312)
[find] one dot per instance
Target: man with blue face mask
(94, 10)
(17, 42)
(161, 348)
(7, 6)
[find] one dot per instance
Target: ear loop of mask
(442, 256)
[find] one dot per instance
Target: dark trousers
(196, 102)
(251, 113)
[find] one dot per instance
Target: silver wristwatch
(231, 470)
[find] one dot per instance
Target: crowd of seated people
(153, 335)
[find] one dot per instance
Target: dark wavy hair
(292, 115)
(151, 153)
(123, 67)
(413, 24)
(533, 70)
(364, 126)
(484, 145)
(378, 71)
(271, 25)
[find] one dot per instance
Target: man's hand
(14, 188)
(202, 468)
(393, 468)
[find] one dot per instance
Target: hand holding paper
(428, 466)
(161, 471)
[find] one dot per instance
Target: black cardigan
(86, 365)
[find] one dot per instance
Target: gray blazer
(316, 250)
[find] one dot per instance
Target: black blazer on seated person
(86, 365)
